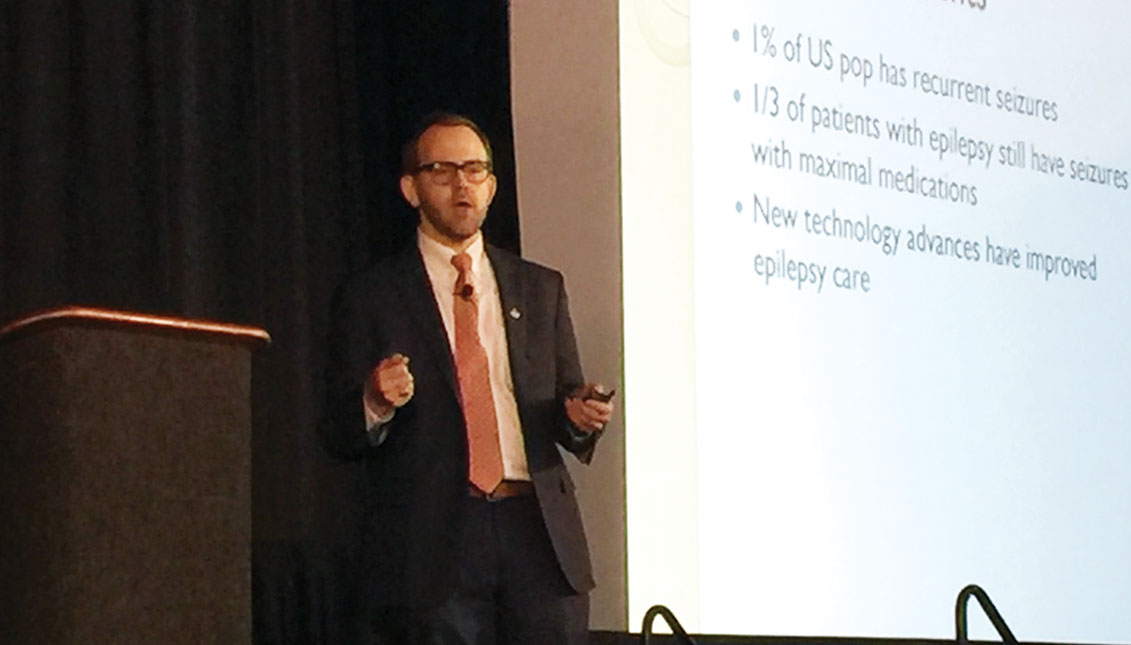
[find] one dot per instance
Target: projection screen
(876, 307)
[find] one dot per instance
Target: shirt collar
(439, 257)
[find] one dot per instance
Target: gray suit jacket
(416, 480)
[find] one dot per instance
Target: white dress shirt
(492, 334)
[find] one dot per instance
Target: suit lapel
(512, 296)
(416, 291)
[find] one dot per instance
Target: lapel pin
(515, 313)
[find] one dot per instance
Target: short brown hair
(410, 154)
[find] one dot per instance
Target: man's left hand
(588, 414)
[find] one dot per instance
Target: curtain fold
(235, 161)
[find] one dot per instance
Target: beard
(453, 223)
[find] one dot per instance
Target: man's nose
(460, 177)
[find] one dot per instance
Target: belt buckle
(479, 493)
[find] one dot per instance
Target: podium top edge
(78, 314)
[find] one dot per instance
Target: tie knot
(462, 261)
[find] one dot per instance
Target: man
(454, 378)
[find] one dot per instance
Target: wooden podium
(125, 469)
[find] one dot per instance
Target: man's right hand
(390, 385)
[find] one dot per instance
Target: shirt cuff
(376, 422)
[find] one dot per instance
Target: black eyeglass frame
(444, 172)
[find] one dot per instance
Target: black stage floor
(623, 638)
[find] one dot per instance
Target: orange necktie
(485, 467)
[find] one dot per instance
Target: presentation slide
(908, 296)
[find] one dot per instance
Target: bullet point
(738, 207)
(734, 34)
(737, 96)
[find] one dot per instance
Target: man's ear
(408, 189)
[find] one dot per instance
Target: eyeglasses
(444, 172)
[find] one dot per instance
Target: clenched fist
(586, 410)
(390, 384)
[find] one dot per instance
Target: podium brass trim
(79, 314)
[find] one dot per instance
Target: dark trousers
(512, 591)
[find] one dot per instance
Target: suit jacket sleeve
(569, 377)
(343, 429)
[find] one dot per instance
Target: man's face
(451, 208)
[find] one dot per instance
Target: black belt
(506, 489)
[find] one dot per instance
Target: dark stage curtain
(234, 161)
